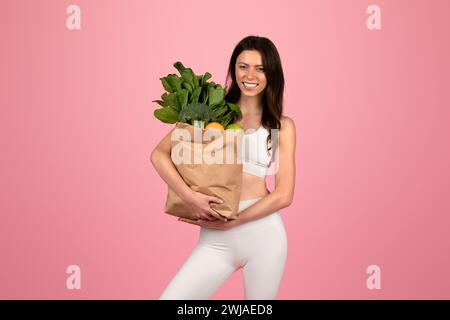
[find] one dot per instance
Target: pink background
(371, 109)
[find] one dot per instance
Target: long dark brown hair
(272, 99)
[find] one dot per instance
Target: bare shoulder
(287, 133)
(287, 124)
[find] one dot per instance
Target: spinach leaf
(166, 114)
(215, 95)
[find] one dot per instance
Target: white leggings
(259, 247)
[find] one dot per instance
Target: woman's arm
(283, 194)
(161, 160)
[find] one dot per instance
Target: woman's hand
(218, 224)
(198, 204)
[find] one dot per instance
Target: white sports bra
(255, 157)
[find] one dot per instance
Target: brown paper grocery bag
(214, 178)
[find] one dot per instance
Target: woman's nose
(250, 75)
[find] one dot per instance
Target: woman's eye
(243, 67)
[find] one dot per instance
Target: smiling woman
(256, 242)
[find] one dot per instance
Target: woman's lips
(250, 87)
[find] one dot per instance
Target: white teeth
(251, 85)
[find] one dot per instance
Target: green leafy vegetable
(167, 115)
(190, 97)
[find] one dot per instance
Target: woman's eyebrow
(258, 65)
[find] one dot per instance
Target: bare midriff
(253, 187)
